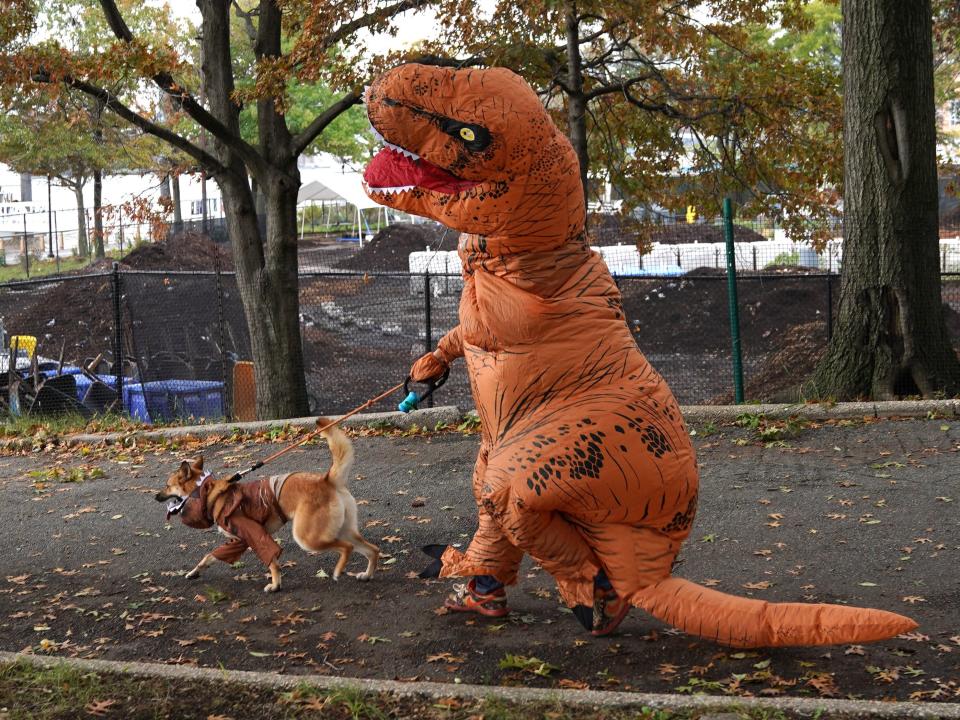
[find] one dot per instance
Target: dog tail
(342, 451)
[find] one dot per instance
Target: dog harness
(243, 512)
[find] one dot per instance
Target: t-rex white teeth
(388, 190)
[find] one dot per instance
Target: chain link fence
(365, 317)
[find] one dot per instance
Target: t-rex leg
(490, 551)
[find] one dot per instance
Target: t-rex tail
(742, 622)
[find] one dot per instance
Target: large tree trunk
(83, 249)
(890, 338)
(576, 101)
(269, 288)
(175, 197)
(266, 265)
(98, 250)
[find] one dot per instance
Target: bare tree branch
(310, 133)
(111, 102)
(182, 98)
(247, 18)
(347, 29)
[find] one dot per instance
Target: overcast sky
(411, 26)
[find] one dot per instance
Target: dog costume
(243, 513)
(585, 462)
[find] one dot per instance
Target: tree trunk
(576, 101)
(890, 338)
(98, 250)
(83, 249)
(266, 263)
(269, 288)
(175, 197)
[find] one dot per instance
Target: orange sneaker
(609, 610)
(465, 598)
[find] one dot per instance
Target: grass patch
(46, 268)
(32, 693)
(29, 426)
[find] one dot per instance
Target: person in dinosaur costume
(585, 462)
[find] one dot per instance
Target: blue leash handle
(413, 399)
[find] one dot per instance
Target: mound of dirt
(183, 251)
(800, 349)
(391, 247)
(689, 314)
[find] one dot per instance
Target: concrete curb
(592, 698)
(452, 415)
(879, 409)
(428, 417)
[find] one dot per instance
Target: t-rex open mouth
(396, 169)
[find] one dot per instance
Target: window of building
(955, 112)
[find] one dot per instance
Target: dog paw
(271, 588)
(335, 576)
(364, 576)
(193, 574)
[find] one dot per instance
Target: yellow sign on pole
(691, 214)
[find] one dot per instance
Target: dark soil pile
(183, 251)
(170, 319)
(690, 314)
(75, 314)
(800, 349)
(390, 249)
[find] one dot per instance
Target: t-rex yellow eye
(467, 134)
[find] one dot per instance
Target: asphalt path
(852, 512)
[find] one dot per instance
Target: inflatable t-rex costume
(585, 462)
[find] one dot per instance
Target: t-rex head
(477, 151)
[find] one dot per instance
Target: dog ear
(185, 470)
(198, 463)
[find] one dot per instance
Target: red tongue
(390, 169)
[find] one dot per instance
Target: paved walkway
(853, 512)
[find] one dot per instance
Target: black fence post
(117, 334)
(220, 327)
(733, 307)
(427, 321)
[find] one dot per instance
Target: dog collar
(175, 505)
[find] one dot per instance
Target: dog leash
(409, 403)
(313, 433)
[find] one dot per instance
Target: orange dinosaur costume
(585, 462)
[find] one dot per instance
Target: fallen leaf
(762, 585)
(854, 650)
(100, 708)
(372, 639)
(444, 657)
(913, 599)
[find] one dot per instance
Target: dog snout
(162, 497)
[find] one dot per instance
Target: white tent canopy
(328, 185)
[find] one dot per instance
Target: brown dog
(320, 507)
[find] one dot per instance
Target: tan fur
(321, 509)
